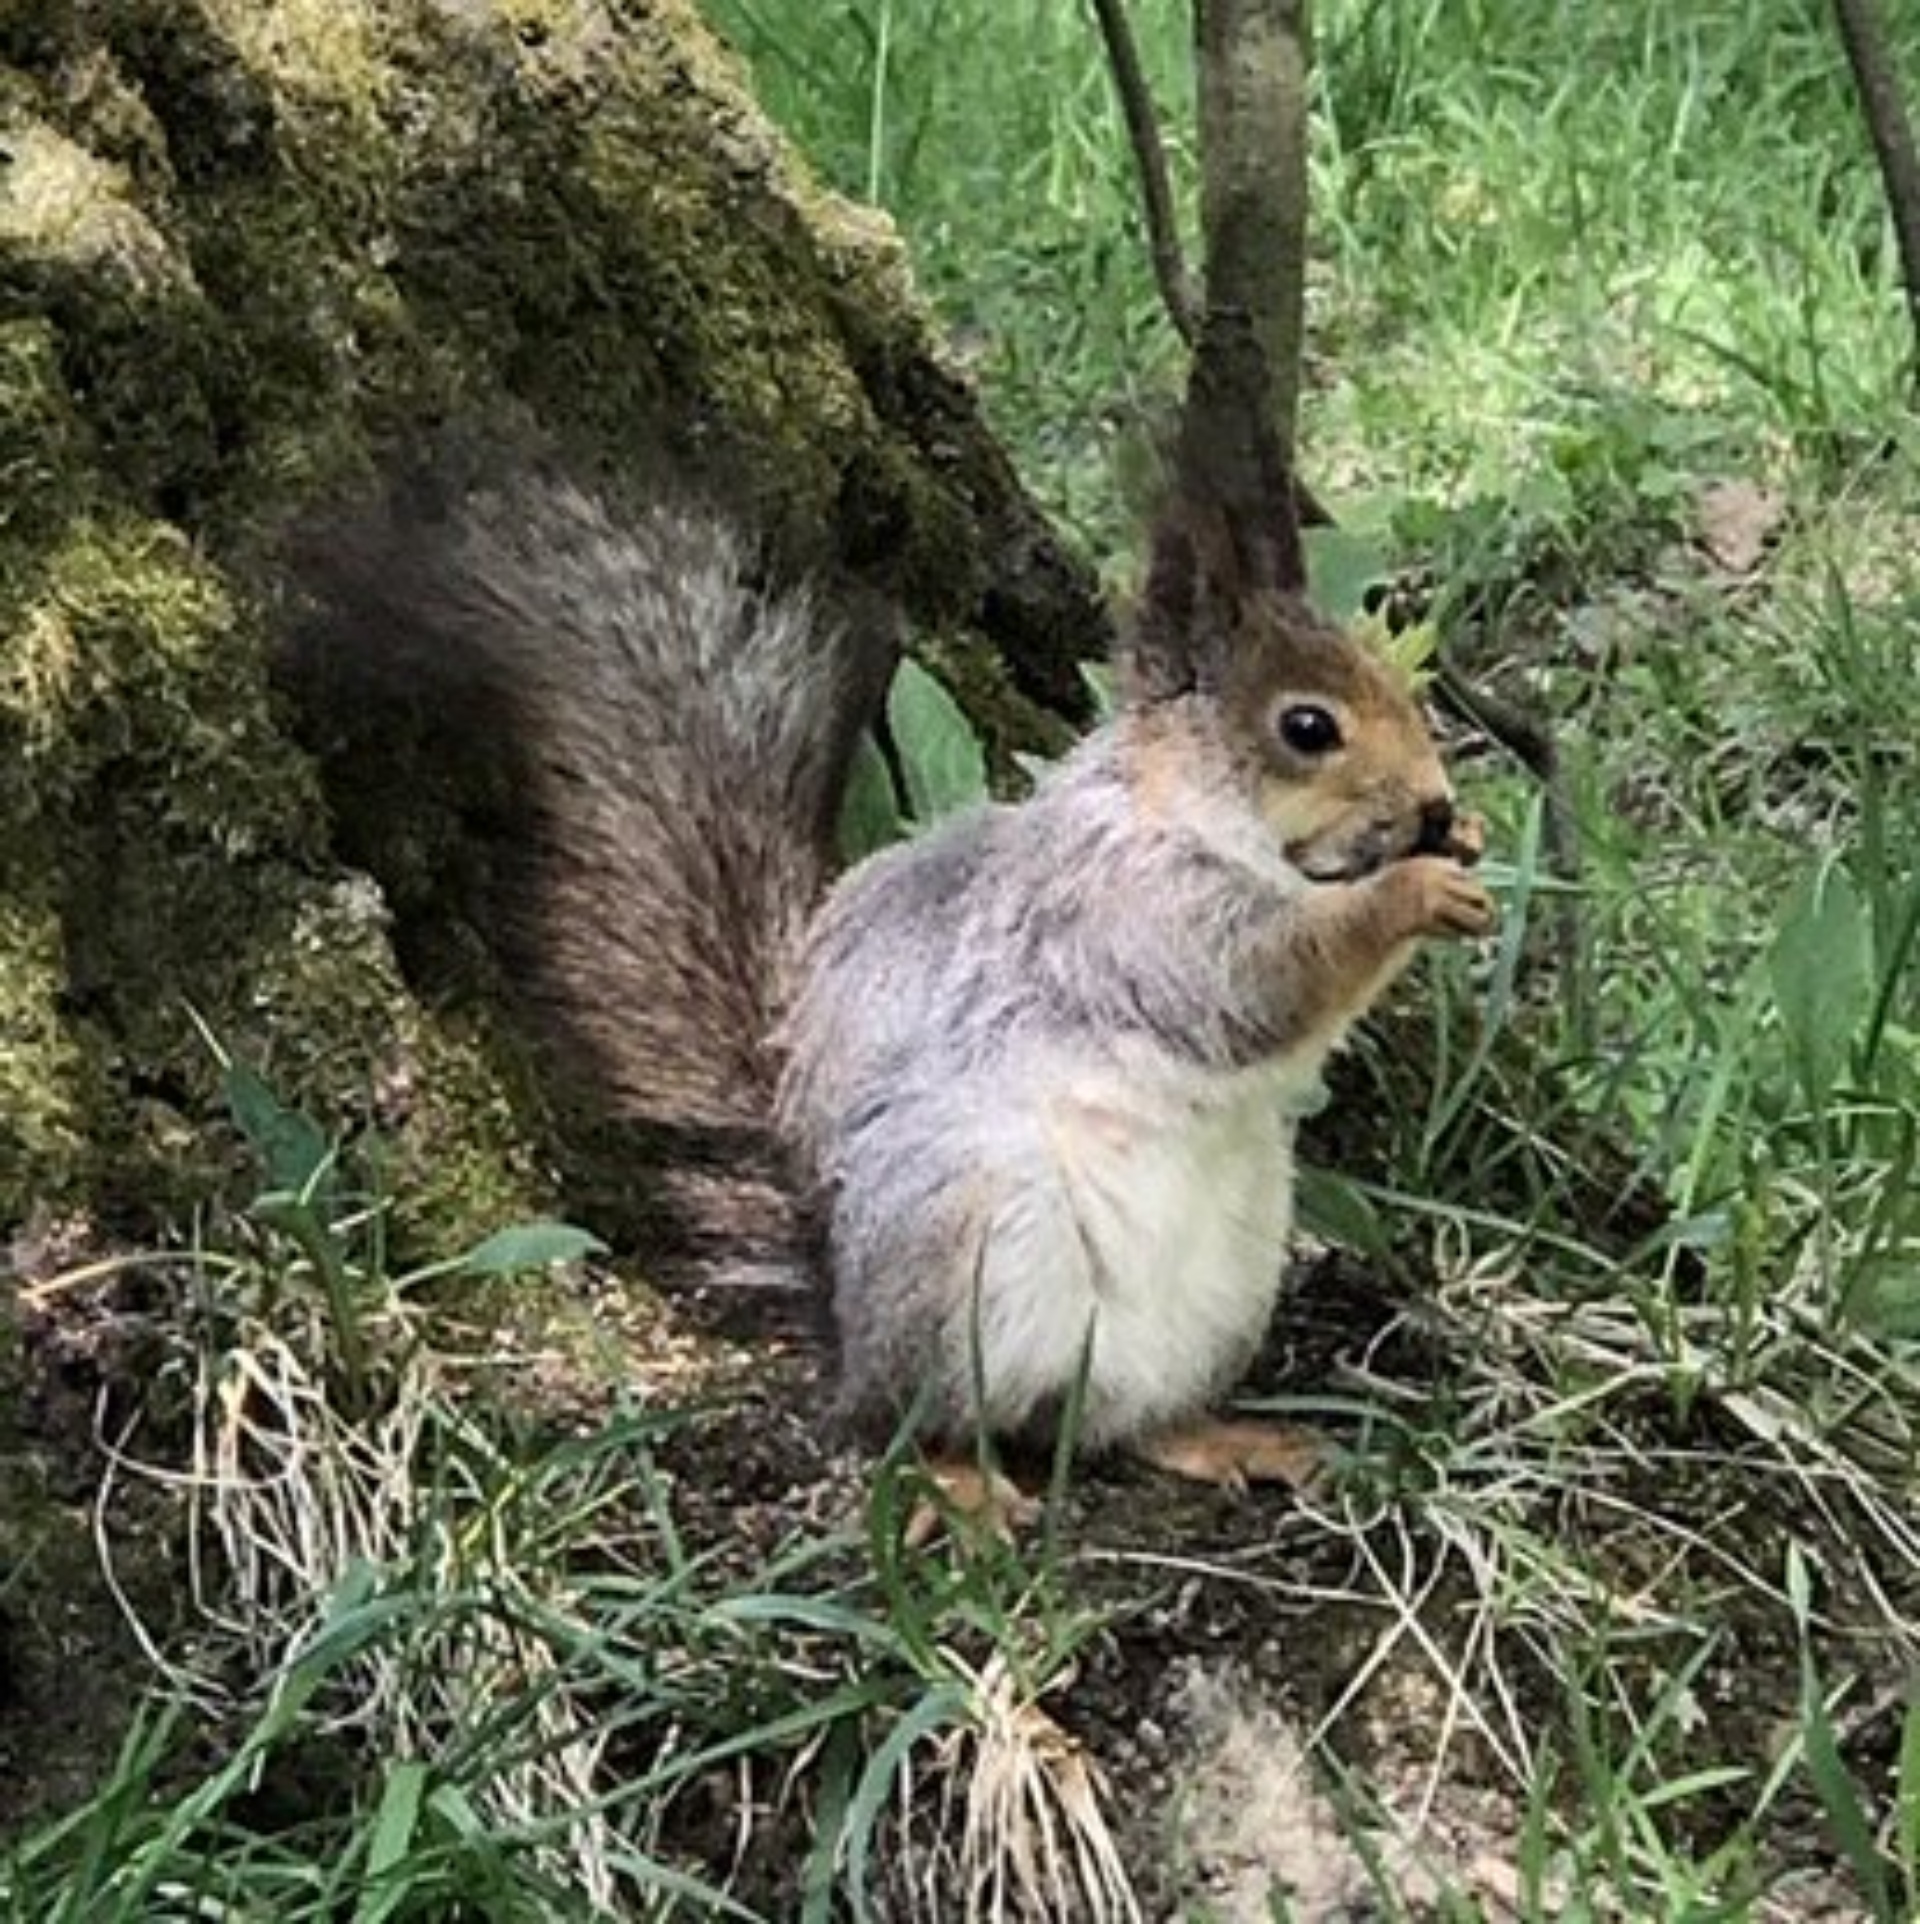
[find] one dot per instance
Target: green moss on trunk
(248, 249)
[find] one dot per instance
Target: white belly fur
(1149, 1217)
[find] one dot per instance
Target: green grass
(455, 1673)
(1570, 267)
(1647, 1531)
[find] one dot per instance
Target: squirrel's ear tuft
(1229, 532)
(1190, 606)
(1160, 653)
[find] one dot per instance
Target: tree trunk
(250, 248)
(1863, 31)
(1252, 61)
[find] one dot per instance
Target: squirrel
(1023, 1090)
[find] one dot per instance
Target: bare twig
(1530, 742)
(1253, 57)
(1256, 265)
(1520, 734)
(1150, 158)
(1863, 31)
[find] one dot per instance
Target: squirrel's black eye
(1309, 729)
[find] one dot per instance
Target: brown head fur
(1328, 741)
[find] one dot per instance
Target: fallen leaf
(1738, 521)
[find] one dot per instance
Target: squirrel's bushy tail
(670, 743)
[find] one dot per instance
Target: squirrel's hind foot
(1231, 1453)
(971, 1500)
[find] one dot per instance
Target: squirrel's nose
(1436, 828)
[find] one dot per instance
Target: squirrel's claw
(1232, 1454)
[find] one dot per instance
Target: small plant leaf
(1413, 649)
(839, 1757)
(1907, 1794)
(1822, 976)
(941, 759)
(1343, 568)
(525, 1246)
(291, 1146)
(1841, 1797)
(394, 1825)
(454, 1808)
(1333, 1208)
(1890, 1304)
(799, 1613)
(943, 1704)
(870, 809)
(1103, 686)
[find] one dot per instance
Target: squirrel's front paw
(1443, 899)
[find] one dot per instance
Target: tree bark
(249, 250)
(1863, 31)
(1253, 60)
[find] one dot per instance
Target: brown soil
(1227, 1643)
(1234, 1626)
(71, 1667)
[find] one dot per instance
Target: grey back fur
(944, 976)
